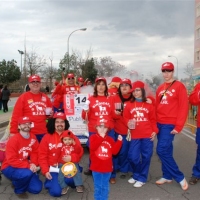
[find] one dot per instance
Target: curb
(3, 124)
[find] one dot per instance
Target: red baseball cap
(103, 120)
(80, 79)
(125, 80)
(115, 79)
(100, 79)
(137, 84)
(23, 120)
(60, 115)
(56, 83)
(167, 66)
(34, 78)
(70, 75)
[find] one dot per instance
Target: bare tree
(49, 73)
(34, 63)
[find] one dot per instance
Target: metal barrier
(191, 119)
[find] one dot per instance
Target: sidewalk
(5, 117)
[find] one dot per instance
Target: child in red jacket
(71, 151)
(102, 147)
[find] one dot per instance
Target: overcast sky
(138, 34)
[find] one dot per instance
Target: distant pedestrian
(1, 103)
(47, 89)
(171, 111)
(5, 98)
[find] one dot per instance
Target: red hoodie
(75, 151)
(19, 150)
(100, 105)
(49, 151)
(173, 108)
(32, 106)
(144, 115)
(194, 99)
(120, 125)
(101, 151)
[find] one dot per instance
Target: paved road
(184, 148)
(184, 152)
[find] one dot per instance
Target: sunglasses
(167, 70)
(71, 78)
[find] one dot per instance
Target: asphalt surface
(184, 153)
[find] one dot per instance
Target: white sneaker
(138, 184)
(184, 184)
(162, 181)
(131, 180)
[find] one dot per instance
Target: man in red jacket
(171, 111)
(21, 160)
(33, 105)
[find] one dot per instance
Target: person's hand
(174, 131)
(61, 82)
(33, 167)
(120, 138)
(118, 112)
(153, 136)
(51, 114)
(48, 176)
(11, 135)
(66, 158)
(149, 100)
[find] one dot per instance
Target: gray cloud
(135, 33)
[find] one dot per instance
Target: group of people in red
(123, 121)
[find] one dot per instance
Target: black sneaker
(193, 180)
(122, 176)
(88, 172)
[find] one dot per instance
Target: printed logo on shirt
(67, 150)
(44, 99)
(54, 146)
(103, 106)
(166, 96)
(30, 101)
(139, 114)
(38, 108)
(104, 151)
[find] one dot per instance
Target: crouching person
(71, 154)
(21, 161)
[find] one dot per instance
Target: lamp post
(82, 29)
(21, 52)
(177, 64)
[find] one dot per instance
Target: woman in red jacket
(123, 96)
(141, 120)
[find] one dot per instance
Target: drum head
(69, 169)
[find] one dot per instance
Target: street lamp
(21, 52)
(82, 29)
(177, 64)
